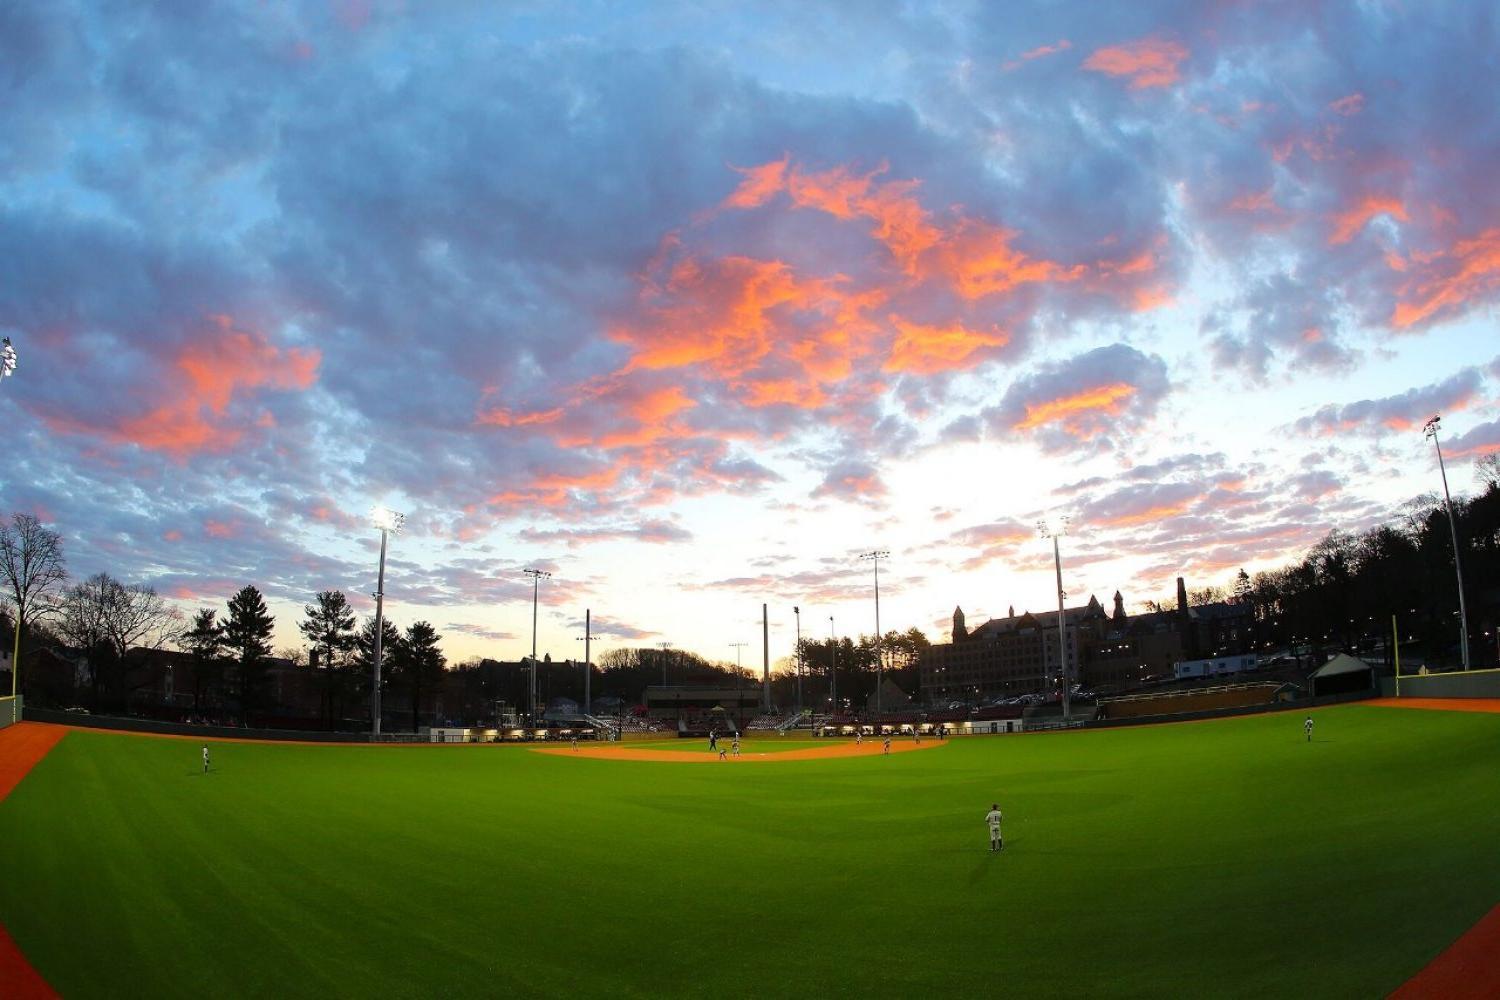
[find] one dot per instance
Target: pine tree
(247, 635)
(418, 663)
(205, 640)
(329, 626)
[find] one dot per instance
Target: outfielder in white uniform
(993, 819)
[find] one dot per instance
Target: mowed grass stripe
(1229, 858)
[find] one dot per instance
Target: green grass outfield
(1218, 858)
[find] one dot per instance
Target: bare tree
(31, 561)
(106, 619)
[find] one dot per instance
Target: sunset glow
(689, 305)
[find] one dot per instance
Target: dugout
(1341, 675)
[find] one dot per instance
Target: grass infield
(1224, 858)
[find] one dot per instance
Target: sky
(690, 304)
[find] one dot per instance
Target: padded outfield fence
(10, 710)
(1452, 684)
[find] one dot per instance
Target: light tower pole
(588, 664)
(664, 646)
(537, 575)
(875, 556)
(833, 675)
(1431, 430)
(389, 522)
(1054, 528)
(797, 612)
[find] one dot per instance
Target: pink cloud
(1147, 62)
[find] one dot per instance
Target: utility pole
(588, 664)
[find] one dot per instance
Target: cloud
(1085, 400)
(852, 480)
(1400, 413)
(1478, 441)
(1281, 319)
(1146, 62)
(656, 532)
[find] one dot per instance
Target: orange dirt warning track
(21, 747)
(611, 751)
(1440, 704)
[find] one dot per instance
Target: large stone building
(1105, 652)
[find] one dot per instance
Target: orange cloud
(205, 377)
(1352, 220)
(1148, 62)
(1061, 45)
(760, 185)
(981, 262)
(1158, 513)
(928, 350)
(501, 417)
(900, 221)
(1107, 399)
(1448, 279)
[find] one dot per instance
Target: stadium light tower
(796, 611)
(389, 522)
(537, 576)
(833, 672)
(874, 556)
(588, 664)
(664, 646)
(1055, 527)
(1430, 429)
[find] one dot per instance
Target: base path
(21, 747)
(1439, 704)
(611, 751)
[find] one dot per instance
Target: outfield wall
(10, 710)
(1301, 704)
(179, 729)
(1459, 684)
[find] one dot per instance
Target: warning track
(22, 746)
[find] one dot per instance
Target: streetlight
(875, 556)
(389, 522)
(537, 575)
(588, 665)
(1053, 528)
(1430, 429)
(798, 613)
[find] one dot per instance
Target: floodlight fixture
(7, 358)
(386, 519)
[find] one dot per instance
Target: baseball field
(1226, 858)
